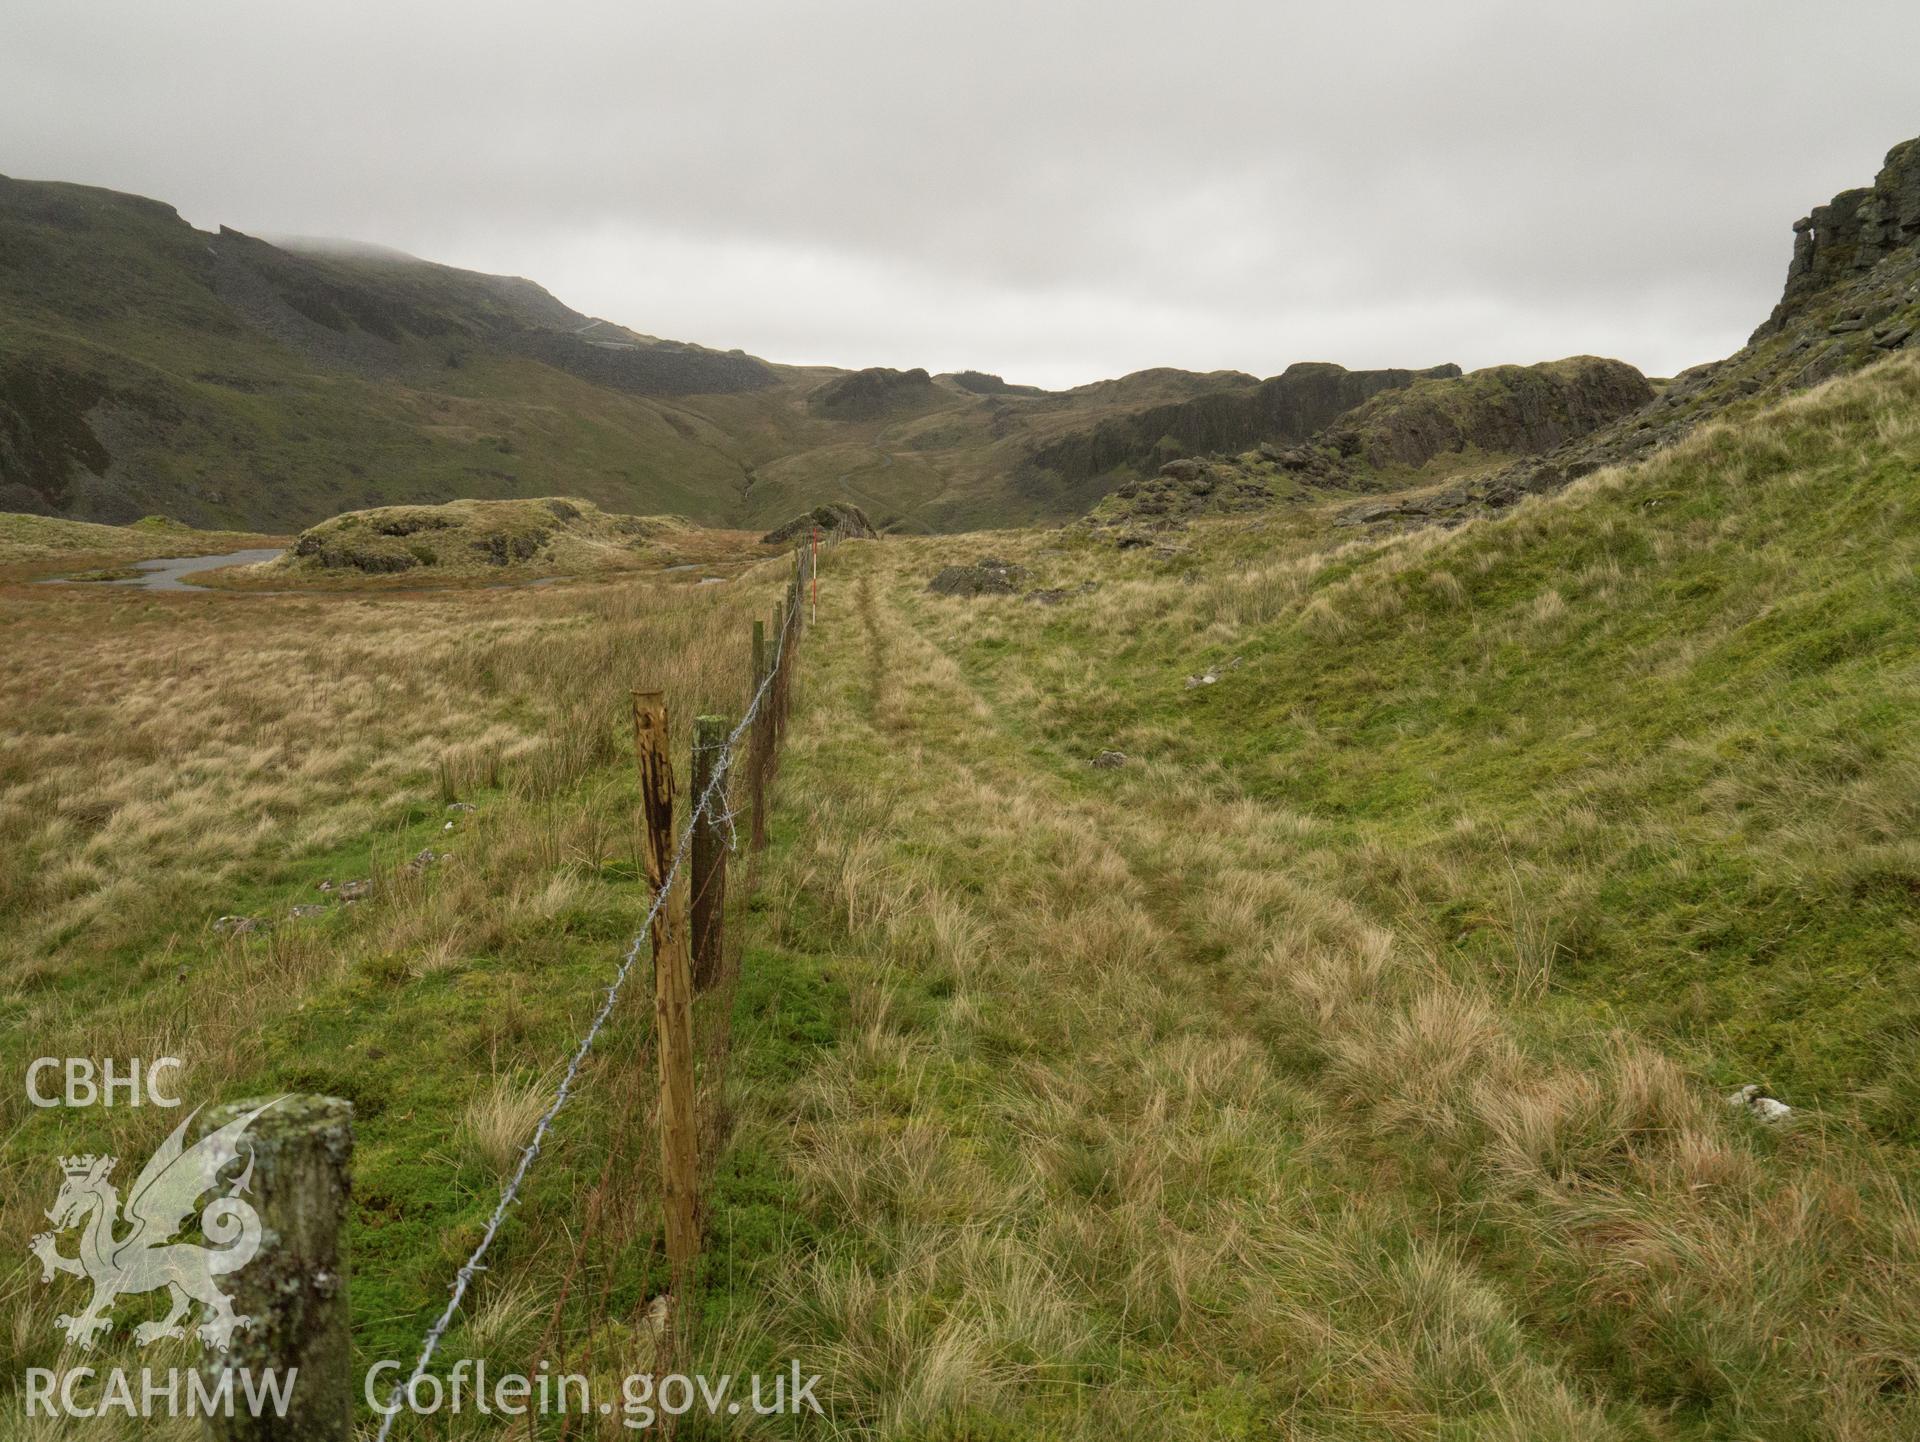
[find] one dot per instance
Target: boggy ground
(1351, 1062)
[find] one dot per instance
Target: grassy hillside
(1347, 1060)
(1350, 1058)
(150, 368)
(32, 541)
(1674, 699)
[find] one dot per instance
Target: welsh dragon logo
(138, 1252)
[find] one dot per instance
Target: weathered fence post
(777, 693)
(295, 1288)
(757, 747)
(709, 881)
(672, 988)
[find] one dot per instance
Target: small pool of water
(168, 572)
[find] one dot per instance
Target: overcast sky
(1055, 192)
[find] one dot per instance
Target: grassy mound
(28, 539)
(471, 538)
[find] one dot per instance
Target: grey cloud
(1054, 191)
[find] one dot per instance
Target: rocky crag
(983, 383)
(847, 521)
(871, 393)
(1433, 426)
(1502, 410)
(1852, 296)
(1288, 407)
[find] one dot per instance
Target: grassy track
(1167, 1102)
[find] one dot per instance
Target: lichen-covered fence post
(295, 1288)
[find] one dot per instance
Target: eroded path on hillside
(1130, 1133)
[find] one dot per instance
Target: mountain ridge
(148, 367)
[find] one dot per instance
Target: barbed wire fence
(325, 1410)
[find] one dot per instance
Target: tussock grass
(499, 1122)
(1351, 1063)
(168, 760)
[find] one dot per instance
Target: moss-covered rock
(553, 533)
(873, 392)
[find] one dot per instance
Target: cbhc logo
(87, 1085)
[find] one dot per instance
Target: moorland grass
(166, 760)
(1351, 1062)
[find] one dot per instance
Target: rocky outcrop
(1852, 296)
(849, 521)
(871, 393)
(656, 368)
(987, 576)
(559, 532)
(980, 383)
(1851, 234)
(1181, 491)
(1502, 410)
(1477, 418)
(1288, 407)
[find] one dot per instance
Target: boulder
(849, 521)
(1755, 1102)
(986, 577)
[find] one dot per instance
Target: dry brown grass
(165, 760)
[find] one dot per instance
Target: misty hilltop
(214, 377)
(152, 368)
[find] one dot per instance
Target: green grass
(1351, 1061)
(259, 388)
(1672, 705)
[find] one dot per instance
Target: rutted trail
(1133, 1133)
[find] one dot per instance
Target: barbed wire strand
(473, 1266)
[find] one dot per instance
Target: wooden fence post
(777, 693)
(709, 879)
(295, 1288)
(672, 989)
(762, 728)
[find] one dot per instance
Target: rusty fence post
(672, 989)
(294, 1291)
